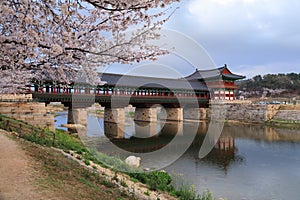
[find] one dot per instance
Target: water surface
(248, 161)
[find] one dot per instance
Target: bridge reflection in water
(245, 158)
(146, 137)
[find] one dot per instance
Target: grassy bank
(271, 123)
(284, 124)
(67, 179)
(156, 181)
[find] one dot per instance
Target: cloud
(251, 36)
(248, 32)
(260, 18)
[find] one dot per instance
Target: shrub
(86, 162)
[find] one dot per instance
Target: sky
(251, 36)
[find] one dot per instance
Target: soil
(31, 171)
(16, 173)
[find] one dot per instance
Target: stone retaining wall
(146, 114)
(243, 112)
(290, 107)
(288, 115)
(15, 97)
(195, 113)
(114, 115)
(32, 112)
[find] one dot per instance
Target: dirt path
(30, 171)
(16, 175)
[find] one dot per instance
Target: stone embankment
(21, 107)
(15, 97)
(288, 113)
(244, 111)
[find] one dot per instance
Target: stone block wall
(77, 116)
(288, 115)
(271, 111)
(114, 130)
(32, 112)
(15, 97)
(114, 115)
(195, 113)
(243, 112)
(290, 107)
(146, 114)
(174, 114)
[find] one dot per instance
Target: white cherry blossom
(66, 36)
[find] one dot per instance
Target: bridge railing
(125, 91)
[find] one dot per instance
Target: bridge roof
(151, 82)
(221, 72)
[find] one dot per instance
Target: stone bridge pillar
(114, 130)
(174, 114)
(145, 114)
(145, 129)
(114, 115)
(77, 116)
(173, 128)
(195, 113)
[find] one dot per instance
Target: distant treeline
(290, 83)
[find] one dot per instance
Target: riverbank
(65, 176)
(288, 116)
(70, 159)
(16, 182)
(31, 171)
(153, 185)
(283, 116)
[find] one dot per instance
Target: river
(252, 162)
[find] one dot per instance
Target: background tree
(52, 39)
(289, 83)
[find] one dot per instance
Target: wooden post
(36, 88)
(47, 89)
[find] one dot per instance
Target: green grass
(206, 195)
(184, 190)
(57, 175)
(276, 123)
(155, 180)
(88, 183)
(86, 162)
(284, 121)
(131, 114)
(107, 183)
(147, 193)
(96, 111)
(99, 111)
(123, 183)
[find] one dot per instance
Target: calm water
(248, 161)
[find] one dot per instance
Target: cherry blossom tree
(53, 39)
